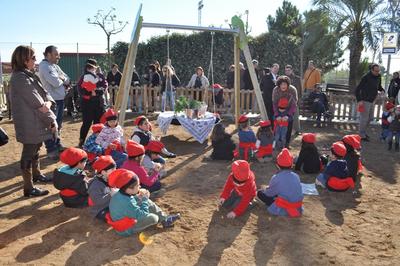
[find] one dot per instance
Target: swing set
(240, 44)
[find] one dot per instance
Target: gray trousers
(155, 216)
(296, 120)
(366, 117)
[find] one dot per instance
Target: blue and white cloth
(198, 128)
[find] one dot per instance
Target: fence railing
(143, 99)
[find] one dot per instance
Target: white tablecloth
(198, 128)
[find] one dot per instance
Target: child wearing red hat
(309, 159)
(152, 161)
(394, 129)
(239, 190)
(389, 109)
(91, 147)
(336, 175)
(282, 119)
(111, 137)
(142, 135)
(265, 140)
(71, 180)
(131, 210)
(99, 191)
(283, 196)
(222, 143)
(135, 164)
(247, 139)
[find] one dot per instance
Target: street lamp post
(199, 8)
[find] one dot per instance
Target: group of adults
(274, 87)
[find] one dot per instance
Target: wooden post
(236, 54)
(145, 101)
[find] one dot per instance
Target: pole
(393, 8)
(168, 47)
(77, 62)
(236, 55)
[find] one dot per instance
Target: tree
(286, 21)
(109, 24)
(356, 20)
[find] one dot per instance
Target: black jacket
(248, 85)
(309, 161)
(230, 80)
(394, 87)
(114, 80)
(352, 163)
(368, 87)
(135, 79)
(155, 79)
(175, 82)
(223, 149)
(267, 85)
(74, 182)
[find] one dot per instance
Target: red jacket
(247, 191)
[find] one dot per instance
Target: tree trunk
(356, 47)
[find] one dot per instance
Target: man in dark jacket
(267, 85)
(366, 92)
(394, 87)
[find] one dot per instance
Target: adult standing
(274, 72)
(248, 84)
(394, 86)
(92, 102)
(34, 121)
(230, 77)
(311, 77)
(113, 78)
(56, 82)
(198, 79)
(284, 89)
(366, 93)
(267, 85)
(169, 82)
(296, 82)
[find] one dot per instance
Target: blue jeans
(280, 136)
(53, 144)
(59, 112)
(385, 133)
(168, 96)
(323, 178)
(319, 109)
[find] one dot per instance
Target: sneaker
(53, 155)
(170, 220)
(42, 178)
(318, 183)
(36, 192)
(170, 155)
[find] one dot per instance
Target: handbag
(3, 137)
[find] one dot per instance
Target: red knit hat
(352, 141)
(139, 119)
(155, 146)
(265, 123)
(284, 158)
(110, 114)
(241, 170)
(389, 105)
(102, 163)
(72, 156)
(134, 149)
(243, 119)
(96, 128)
(217, 86)
(122, 177)
(309, 137)
(339, 149)
(283, 103)
(357, 137)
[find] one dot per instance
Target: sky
(64, 23)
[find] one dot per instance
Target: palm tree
(358, 20)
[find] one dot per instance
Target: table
(198, 128)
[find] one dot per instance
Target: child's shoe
(170, 220)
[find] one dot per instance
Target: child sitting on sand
(352, 157)
(152, 159)
(70, 178)
(336, 175)
(239, 190)
(308, 160)
(131, 210)
(99, 191)
(91, 147)
(265, 140)
(247, 139)
(222, 143)
(134, 163)
(283, 196)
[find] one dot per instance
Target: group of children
(391, 125)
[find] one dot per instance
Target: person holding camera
(34, 121)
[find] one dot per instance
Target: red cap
(309, 137)
(110, 114)
(243, 119)
(96, 128)
(389, 105)
(72, 156)
(139, 119)
(339, 149)
(357, 137)
(241, 170)
(217, 86)
(283, 103)
(134, 149)
(103, 162)
(265, 123)
(155, 146)
(352, 141)
(120, 177)
(285, 158)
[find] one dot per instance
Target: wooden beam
(236, 54)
